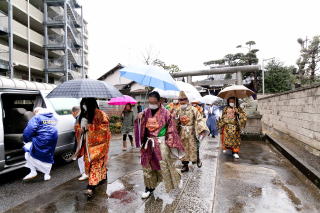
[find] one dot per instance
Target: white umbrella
(210, 99)
(191, 92)
(238, 91)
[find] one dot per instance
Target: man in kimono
(192, 127)
(156, 134)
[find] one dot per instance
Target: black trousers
(124, 137)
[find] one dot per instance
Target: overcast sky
(189, 32)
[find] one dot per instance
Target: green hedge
(115, 124)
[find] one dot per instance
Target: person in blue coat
(211, 114)
(41, 136)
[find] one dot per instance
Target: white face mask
(231, 104)
(153, 106)
(85, 107)
(184, 106)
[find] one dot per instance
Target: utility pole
(306, 42)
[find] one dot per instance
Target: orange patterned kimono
(230, 126)
(94, 145)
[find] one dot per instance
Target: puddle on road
(262, 182)
(291, 195)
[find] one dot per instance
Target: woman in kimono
(127, 126)
(232, 120)
(93, 137)
(156, 134)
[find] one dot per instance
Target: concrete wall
(294, 113)
(253, 125)
(21, 59)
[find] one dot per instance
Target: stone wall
(253, 125)
(296, 114)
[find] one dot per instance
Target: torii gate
(219, 70)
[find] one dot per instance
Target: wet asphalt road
(13, 191)
(124, 188)
(262, 181)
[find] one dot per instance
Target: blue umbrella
(148, 75)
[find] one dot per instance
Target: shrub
(115, 124)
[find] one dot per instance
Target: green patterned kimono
(190, 124)
(230, 126)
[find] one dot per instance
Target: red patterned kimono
(94, 145)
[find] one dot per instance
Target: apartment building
(43, 40)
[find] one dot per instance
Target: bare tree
(149, 55)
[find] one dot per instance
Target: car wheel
(66, 157)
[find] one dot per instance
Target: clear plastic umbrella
(191, 92)
(210, 99)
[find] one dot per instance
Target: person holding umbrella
(127, 125)
(233, 118)
(92, 129)
(93, 136)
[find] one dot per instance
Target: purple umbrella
(123, 100)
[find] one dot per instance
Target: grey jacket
(127, 122)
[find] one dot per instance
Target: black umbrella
(84, 88)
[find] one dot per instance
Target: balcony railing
(3, 22)
(85, 29)
(55, 41)
(86, 61)
(56, 63)
(4, 64)
(55, 19)
(86, 47)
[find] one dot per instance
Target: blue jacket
(42, 131)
